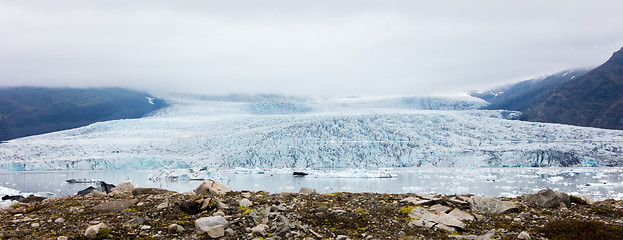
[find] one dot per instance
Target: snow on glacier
(356, 132)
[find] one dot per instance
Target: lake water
(598, 183)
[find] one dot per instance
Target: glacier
(273, 131)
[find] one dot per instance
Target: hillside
(523, 95)
(594, 99)
(26, 111)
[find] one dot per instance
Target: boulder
(125, 187)
(174, 228)
(305, 190)
(245, 202)
(114, 206)
(549, 198)
(524, 236)
(489, 204)
(211, 187)
(216, 231)
(204, 223)
(91, 232)
(428, 219)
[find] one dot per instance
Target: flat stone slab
(489, 204)
(114, 206)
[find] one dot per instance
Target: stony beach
(213, 211)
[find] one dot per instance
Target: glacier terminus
(272, 131)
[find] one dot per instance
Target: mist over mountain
(26, 111)
(521, 96)
(594, 99)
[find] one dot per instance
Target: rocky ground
(213, 211)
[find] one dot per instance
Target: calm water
(599, 183)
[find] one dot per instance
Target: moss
(607, 211)
(407, 210)
(104, 233)
(360, 210)
(32, 209)
(246, 210)
(129, 210)
(575, 229)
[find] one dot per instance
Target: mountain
(523, 95)
(594, 99)
(330, 133)
(26, 111)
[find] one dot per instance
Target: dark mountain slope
(522, 95)
(26, 111)
(594, 99)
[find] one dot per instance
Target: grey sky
(301, 47)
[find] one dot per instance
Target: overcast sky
(328, 48)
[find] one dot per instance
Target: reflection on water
(599, 183)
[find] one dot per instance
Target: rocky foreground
(214, 211)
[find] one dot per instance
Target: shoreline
(149, 213)
(598, 183)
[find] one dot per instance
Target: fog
(327, 48)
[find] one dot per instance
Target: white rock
(125, 187)
(305, 190)
(216, 231)
(59, 220)
(211, 187)
(91, 232)
(162, 206)
(245, 202)
(524, 235)
(260, 229)
(174, 228)
(204, 223)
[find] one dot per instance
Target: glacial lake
(598, 183)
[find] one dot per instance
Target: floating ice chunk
(173, 175)
(248, 171)
(44, 194)
(555, 179)
(353, 173)
(7, 191)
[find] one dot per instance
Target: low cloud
(302, 48)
